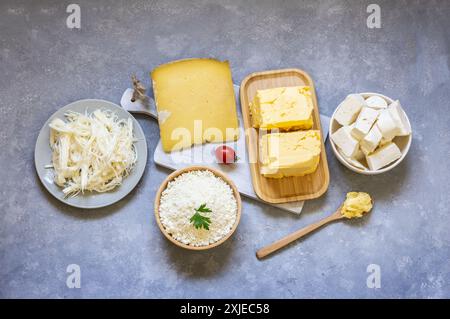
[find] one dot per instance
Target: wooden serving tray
(286, 189)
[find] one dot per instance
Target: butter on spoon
(355, 205)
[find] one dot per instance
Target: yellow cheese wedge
(195, 103)
(285, 108)
(290, 153)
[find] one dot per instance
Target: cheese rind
(294, 153)
(399, 117)
(196, 103)
(345, 141)
(284, 108)
(349, 109)
(383, 156)
(364, 122)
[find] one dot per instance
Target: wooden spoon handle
(263, 252)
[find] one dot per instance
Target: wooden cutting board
(286, 189)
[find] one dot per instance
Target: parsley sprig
(199, 220)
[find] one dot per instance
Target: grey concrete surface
(44, 65)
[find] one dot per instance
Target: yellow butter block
(285, 108)
(290, 153)
(195, 103)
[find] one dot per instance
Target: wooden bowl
(172, 176)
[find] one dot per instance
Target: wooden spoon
(263, 252)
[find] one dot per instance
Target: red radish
(225, 155)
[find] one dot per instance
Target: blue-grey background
(121, 252)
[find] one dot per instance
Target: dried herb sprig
(139, 89)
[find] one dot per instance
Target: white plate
(43, 153)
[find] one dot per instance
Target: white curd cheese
(345, 141)
(91, 152)
(364, 122)
(376, 102)
(368, 128)
(387, 125)
(349, 109)
(383, 156)
(371, 141)
(399, 117)
(186, 193)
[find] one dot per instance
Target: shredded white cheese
(91, 152)
(186, 193)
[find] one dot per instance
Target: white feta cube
(388, 128)
(383, 156)
(358, 155)
(371, 141)
(349, 128)
(376, 102)
(352, 161)
(345, 141)
(364, 122)
(399, 117)
(349, 109)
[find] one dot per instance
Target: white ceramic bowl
(403, 142)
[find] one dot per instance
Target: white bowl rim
(369, 172)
